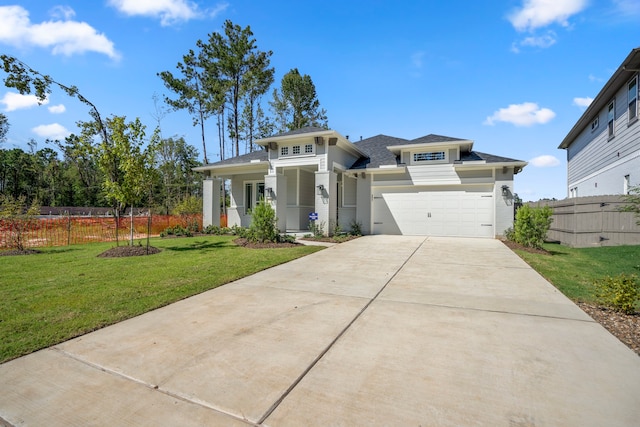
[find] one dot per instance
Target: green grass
(68, 291)
(573, 271)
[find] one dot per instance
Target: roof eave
(604, 96)
(397, 148)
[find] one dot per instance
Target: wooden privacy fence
(69, 230)
(582, 222)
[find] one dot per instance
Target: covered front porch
(293, 192)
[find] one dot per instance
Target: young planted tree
(17, 218)
(126, 165)
(296, 105)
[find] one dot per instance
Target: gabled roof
(258, 155)
(622, 75)
(374, 151)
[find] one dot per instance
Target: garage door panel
(436, 213)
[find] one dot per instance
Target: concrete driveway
(382, 330)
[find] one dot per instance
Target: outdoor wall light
(268, 191)
(320, 190)
(505, 190)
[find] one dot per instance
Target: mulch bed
(625, 327)
(125, 251)
(14, 252)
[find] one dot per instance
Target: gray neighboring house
(603, 147)
(434, 185)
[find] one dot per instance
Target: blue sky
(513, 75)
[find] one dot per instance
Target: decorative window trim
(253, 191)
(611, 118)
(429, 156)
(632, 100)
(298, 150)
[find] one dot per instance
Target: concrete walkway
(382, 330)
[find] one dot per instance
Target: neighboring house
(603, 148)
(434, 185)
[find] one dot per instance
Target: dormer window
(297, 150)
(429, 156)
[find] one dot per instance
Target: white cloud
(525, 114)
(545, 161)
(63, 36)
(595, 79)
(168, 11)
(627, 8)
(57, 109)
(541, 13)
(545, 41)
(582, 102)
(15, 101)
(52, 131)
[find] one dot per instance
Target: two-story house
(603, 147)
(434, 185)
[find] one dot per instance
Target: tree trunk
(131, 227)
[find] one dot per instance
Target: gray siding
(597, 164)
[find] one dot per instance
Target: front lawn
(573, 271)
(65, 292)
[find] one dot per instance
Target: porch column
(277, 197)
(211, 202)
(326, 200)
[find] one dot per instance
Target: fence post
(69, 229)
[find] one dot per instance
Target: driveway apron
(381, 330)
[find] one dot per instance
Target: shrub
(263, 224)
(178, 230)
(317, 228)
(531, 225)
(356, 228)
(620, 292)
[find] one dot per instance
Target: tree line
(115, 162)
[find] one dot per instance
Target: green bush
(356, 228)
(317, 228)
(531, 225)
(178, 230)
(263, 224)
(620, 292)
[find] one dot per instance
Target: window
(284, 151)
(428, 157)
(296, 150)
(594, 124)
(633, 99)
(611, 117)
(308, 149)
(253, 193)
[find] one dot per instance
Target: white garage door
(433, 213)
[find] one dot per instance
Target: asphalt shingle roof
(375, 149)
